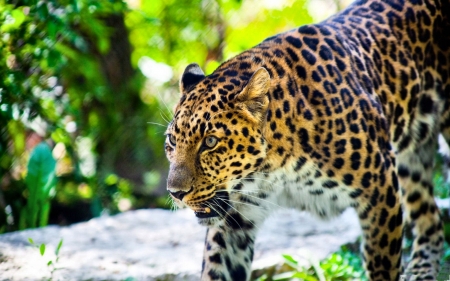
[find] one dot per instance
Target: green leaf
(41, 169)
(42, 249)
(44, 213)
(17, 130)
(283, 276)
(289, 260)
(31, 241)
(58, 248)
(42, 10)
(13, 20)
(103, 44)
(53, 59)
(305, 276)
(40, 180)
(52, 29)
(49, 263)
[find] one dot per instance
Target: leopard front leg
(380, 214)
(228, 254)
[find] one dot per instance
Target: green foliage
(207, 32)
(343, 265)
(57, 84)
(441, 185)
(43, 39)
(40, 185)
(39, 41)
(446, 256)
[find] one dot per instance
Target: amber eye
(210, 141)
(171, 139)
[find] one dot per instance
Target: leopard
(345, 113)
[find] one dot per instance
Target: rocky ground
(159, 245)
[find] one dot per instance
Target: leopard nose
(179, 194)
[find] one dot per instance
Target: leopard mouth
(206, 212)
(216, 206)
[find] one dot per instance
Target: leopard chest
(308, 189)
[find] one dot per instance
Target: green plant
(40, 185)
(343, 265)
(51, 264)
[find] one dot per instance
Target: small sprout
(51, 264)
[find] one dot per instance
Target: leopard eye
(210, 141)
(171, 139)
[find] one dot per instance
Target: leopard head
(216, 137)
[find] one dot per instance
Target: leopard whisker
(222, 217)
(240, 213)
(262, 179)
(245, 203)
(256, 191)
(264, 200)
(165, 104)
(154, 123)
(252, 196)
(164, 117)
(173, 206)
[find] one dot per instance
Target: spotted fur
(344, 113)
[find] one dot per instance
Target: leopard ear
(191, 76)
(254, 96)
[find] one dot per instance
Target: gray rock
(160, 245)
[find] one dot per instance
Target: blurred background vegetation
(87, 88)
